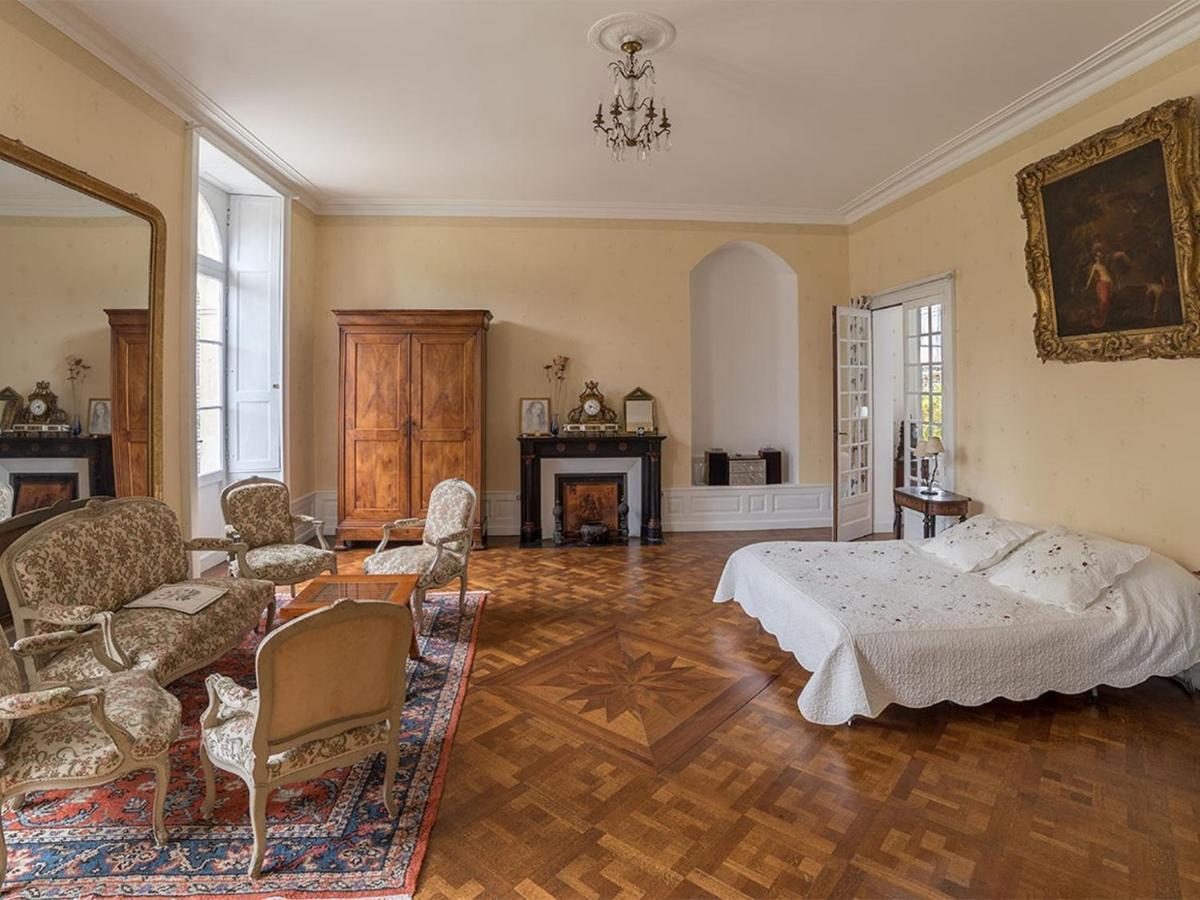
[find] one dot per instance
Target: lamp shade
(931, 447)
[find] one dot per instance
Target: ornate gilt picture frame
(1111, 247)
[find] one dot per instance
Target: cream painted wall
(613, 296)
(1109, 447)
(61, 100)
(60, 274)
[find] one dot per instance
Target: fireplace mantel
(566, 446)
(97, 450)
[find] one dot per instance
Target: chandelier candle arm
(634, 121)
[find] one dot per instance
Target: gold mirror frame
(15, 152)
(1174, 123)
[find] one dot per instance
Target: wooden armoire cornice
(410, 414)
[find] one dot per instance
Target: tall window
(924, 378)
(210, 341)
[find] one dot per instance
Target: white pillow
(1066, 569)
(979, 542)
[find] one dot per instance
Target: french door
(852, 505)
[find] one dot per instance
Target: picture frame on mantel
(1111, 249)
(534, 416)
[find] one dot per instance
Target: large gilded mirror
(80, 336)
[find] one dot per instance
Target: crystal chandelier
(636, 122)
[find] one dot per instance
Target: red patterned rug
(329, 837)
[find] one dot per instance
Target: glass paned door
(925, 368)
(852, 415)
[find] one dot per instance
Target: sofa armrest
(234, 547)
(47, 642)
(36, 703)
(226, 694)
(104, 642)
(397, 523)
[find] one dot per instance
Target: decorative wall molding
(1170, 30)
(747, 507)
(579, 210)
(1173, 28)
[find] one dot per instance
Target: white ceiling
(783, 111)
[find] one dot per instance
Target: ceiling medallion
(635, 122)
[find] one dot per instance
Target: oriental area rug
(328, 837)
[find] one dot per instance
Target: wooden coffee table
(325, 590)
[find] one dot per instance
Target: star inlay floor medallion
(648, 698)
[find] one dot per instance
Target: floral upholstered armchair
(67, 735)
(6, 500)
(82, 568)
(258, 513)
(330, 691)
(445, 548)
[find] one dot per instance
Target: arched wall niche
(745, 355)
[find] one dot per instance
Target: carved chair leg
(3, 856)
(210, 786)
(418, 606)
(271, 613)
(162, 779)
(258, 820)
(389, 774)
(333, 568)
(462, 591)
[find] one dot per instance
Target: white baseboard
(741, 508)
(747, 507)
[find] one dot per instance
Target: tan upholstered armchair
(67, 735)
(258, 513)
(330, 690)
(445, 549)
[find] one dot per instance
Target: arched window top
(208, 233)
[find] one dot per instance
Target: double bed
(887, 622)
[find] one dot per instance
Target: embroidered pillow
(1065, 568)
(979, 542)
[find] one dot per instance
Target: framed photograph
(534, 415)
(639, 412)
(99, 416)
(11, 403)
(1111, 248)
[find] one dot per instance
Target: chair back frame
(249, 482)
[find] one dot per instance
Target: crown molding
(161, 81)
(671, 212)
(1173, 28)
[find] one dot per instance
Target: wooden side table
(325, 590)
(930, 506)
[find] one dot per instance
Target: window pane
(208, 234)
(208, 308)
(208, 374)
(208, 441)
(936, 312)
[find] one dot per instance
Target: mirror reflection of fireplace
(590, 509)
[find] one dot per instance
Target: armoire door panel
(443, 438)
(375, 477)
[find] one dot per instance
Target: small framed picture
(99, 416)
(535, 415)
(11, 403)
(639, 412)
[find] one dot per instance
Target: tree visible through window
(923, 377)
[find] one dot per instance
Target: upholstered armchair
(331, 686)
(68, 735)
(258, 513)
(445, 548)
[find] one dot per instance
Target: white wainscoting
(740, 508)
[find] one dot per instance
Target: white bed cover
(885, 622)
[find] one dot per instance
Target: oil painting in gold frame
(1111, 245)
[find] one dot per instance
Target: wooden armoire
(130, 377)
(410, 414)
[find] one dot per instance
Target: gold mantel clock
(592, 413)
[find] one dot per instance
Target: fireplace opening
(590, 508)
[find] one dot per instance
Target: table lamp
(929, 449)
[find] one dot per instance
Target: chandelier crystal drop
(635, 123)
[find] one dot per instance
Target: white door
(852, 505)
(253, 398)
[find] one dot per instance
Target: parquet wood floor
(624, 736)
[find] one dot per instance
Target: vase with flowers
(77, 373)
(556, 376)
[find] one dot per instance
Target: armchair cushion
(414, 560)
(165, 643)
(105, 558)
(260, 512)
(68, 743)
(286, 563)
(232, 740)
